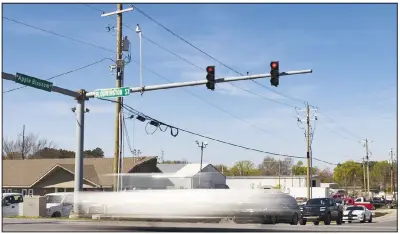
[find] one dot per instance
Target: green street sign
(33, 82)
(114, 92)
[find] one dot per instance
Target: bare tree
(31, 145)
(271, 167)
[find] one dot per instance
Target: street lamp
(139, 32)
(202, 145)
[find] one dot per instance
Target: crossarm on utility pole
(8, 76)
(203, 82)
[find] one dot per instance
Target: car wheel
(363, 220)
(370, 219)
(295, 219)
(272, 219)
(56, 215)
(349, 221)
(303, 222)
(339, 219)
(327, 220)
(316, 222)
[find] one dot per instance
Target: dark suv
(321, 209)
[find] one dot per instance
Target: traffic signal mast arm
(202, 82)
(75, 94)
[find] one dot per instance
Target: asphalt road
(21, 225)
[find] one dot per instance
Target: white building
(178, 176)
(264, 182)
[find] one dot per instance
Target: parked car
(357, 213)
(321, 209)
(270, 209)
(59, 204)
(11, 203)
(378, 202)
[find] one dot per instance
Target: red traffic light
(274, 65)
(210, 69)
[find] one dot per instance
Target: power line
(201, 69)
(59, 35)
(341, 127)
(138, 113)
(193, 64)
(213, 58)
(64, 73)
(219, 108)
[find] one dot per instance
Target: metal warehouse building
(265, 182)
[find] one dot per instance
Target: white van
(59, 204)
(11, 204)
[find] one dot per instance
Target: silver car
(269, 208)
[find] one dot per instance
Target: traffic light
(211, 77)
(274, 73)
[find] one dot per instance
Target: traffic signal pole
(80, 126)
(82, 96)
(203, 82)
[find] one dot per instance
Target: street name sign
(33, 82)
(113, 92)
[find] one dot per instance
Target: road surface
(22, 225)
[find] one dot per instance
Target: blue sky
(351, 49)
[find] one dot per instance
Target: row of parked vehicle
(316, 210)
(57, 204)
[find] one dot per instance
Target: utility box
(35, 206)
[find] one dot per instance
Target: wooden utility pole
(23, 143)
(119, 77)
(363, 165)
(279, 173)
(391, 171)
(308, 150)
(367, 157)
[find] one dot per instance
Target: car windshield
(53, 199)
(316, 202)
(355, 208)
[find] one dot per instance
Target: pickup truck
(360, 201)
(321, 209)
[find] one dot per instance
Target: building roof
(191, 169)
(170, 168)
(24, 173)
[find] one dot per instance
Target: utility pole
(202, 146)
(23, 143)
(307, 133)
(279, 173)
(119, 81)
(391, 171)
(367, 161)
(365, 185)
(308, 149)
(119, 99)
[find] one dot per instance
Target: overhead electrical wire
(230, 68)
(193, 64)
(177, 129)
(64, 73)
(213, 58)
(77, 40)
(106, 49)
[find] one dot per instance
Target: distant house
(42, 176)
